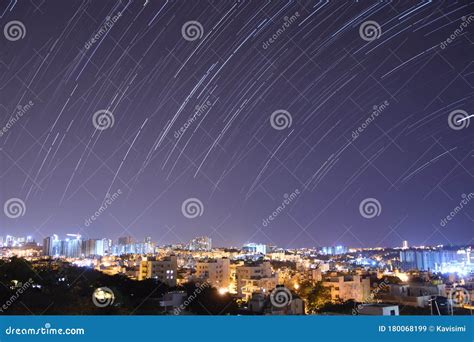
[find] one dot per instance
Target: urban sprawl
(268, 280)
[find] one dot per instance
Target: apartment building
(215, 271)
(255, 277)
(349, 287)
(164, 270)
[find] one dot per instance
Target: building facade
(349, 287)
(216, 272)
(164, 270)
(255, 277)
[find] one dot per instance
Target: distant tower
(405, 244)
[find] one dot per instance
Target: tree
(208, 301)
(315, 295)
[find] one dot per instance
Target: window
(392, 312)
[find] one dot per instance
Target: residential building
(215, 271)
(348, 287)
(413, 294)
(427, 260)
(164, 270)
(202, 243)
(255, 277)
(374, 309)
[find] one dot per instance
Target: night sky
(198, 118)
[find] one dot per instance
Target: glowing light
(403, 277)
(297, 286)
(223, 291)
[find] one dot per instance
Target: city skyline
(19, 241)
(289, 124)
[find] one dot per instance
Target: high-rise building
(93, 247)
(71, 247)
(427, 260)
(107, 246)
(255, 248)
(334, 250)
(125, 240)
(405, 244)
(202, 243)
(52, 246)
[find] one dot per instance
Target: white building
(413, 294)
(216, 272)
(172, 300)
(343, 288)
(378, 310)
(260, 303)
(255, 248)
(255, 277)
(164, 270)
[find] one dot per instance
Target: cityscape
(236, 158)
(253, 279)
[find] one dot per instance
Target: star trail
(290, 123)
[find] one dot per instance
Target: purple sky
(192, 86)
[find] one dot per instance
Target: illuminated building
(255, 277)
(93, 247)
(125, 240)
(343, 288)
(425, 260)
(52, 246)
(255, 248)
(71, 247)
(202, 243)
(216, 272)
(260, 303)
(336, 250)
(164, 270)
